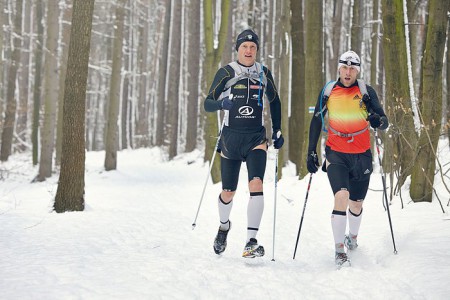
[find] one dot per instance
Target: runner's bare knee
(255, 185)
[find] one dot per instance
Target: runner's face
(348, 74)
(247, 53)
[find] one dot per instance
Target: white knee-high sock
(354, 221)
(339, 224)
(255, 210)
(224, 213)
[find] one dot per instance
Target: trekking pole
(383, 179)
(303, 213)
(275, 203)
(209, 174)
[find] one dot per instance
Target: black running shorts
(237, 144)
(349, 171)
(238, 147)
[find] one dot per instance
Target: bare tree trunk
(70, 192)
(422, 177)
(173, 79)
(37, 81)
(2, 65)
(24, 76)
(357, 26)
(375, 52)
(156, 62)
(398, 105)
(193, 74)
(111, 143)
(336, 38)
(276, 42)
(212, 60)
(416, 35)
(285, 78)
(161, 98)
(141, 138)
(313, 58)
(228, 49)
(130, 90)
(272, 49)
(50, 94)
(448, 83)
(11, 105)
(296, 124)
(125, 100)
(65, 39)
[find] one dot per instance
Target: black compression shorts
(256, 167)
(349, 171)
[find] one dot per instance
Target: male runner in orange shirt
(348, 156)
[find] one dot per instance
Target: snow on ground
(135, 238)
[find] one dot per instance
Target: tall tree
(65, 38)
(112, 143)
(447, 119)
(375, 50)
(336, 29)
(2, 35)
(70, 192)
(398, 105)
(228, 49)
(416, 36)
(173, 79)
(142, 113)
(162, 72)
(37, 81)
(357, 26)
(193, 66)
(313, 58)
(285, 75)
(23, 79)
(100, 58)
(211, 64)
(127, 88)
(50, 94)
(155, 101)
(422, 177)
(11, 104)
(296, 124)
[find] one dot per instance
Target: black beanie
(247, 36)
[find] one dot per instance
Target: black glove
(384, 123)
(277, 139)
(312, 161)
(227, 103)
(374, 120)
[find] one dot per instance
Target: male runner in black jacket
(238, 90)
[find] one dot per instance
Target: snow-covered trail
(135, 239)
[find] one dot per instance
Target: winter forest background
(81, 75)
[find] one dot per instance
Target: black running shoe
(220, 242)
(252, 249)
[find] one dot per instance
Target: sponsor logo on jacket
(245, 112)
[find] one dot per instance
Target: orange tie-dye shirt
(347, 114)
